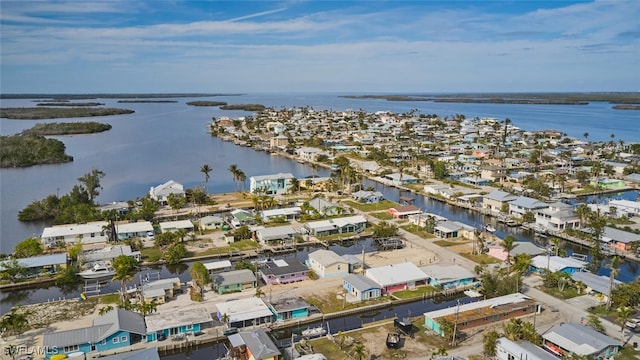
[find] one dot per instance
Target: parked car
(633, 324)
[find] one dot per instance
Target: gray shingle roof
(360, 282)
(233, 277)
(292, 266)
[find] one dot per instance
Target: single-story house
(253, 345)
(244, 312)
(595, 283)
(116, 329)
(519, 247)
(108, 253)
(325, 208)
(283, 271)
(167, 323)
(218, 266)
(572, 338)
(448, 229)
(495, 200)
(267, 235)
(361, 287)
(161, 290)
(568, 265)
(607, 183)
(481, 312)
(619, 239)
(43, 263)
(397, 179)
(367, 197)
(397, 277)
(289, 308)
(349, 224)
(403, 211)
(511, 350)
(169, 226)
(140, 229)
(161, 192)
(328, 264)
(289, 213)
(448, 276)
(211, 222)
(69, 234)
(627, 207)
(233, 281)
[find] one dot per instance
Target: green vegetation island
(206, 103)
(245, 107)
(56, 113)
(147, 101)
(24, 150)
(70, 104)
(626, 107)
(109, 96)
(90, 127)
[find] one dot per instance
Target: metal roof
(233, 277)
(579, 339)
(395, 274)
(40, 261)
(326, 257)
(361, 283)
(176, 318)
(244, 309)
(445, 273)
(217, 265)
(523, 350)
(556, 263)
(598, 283)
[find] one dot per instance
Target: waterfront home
(448, 276)
(557, 217)
(568, 265)
(218, 266)
(140, 229)
(283, 271)
(279, 142)
(328, 264)
(481, 312)
(309, 153)
(571, 338)
(253, 345)
(120, 207)
(37, 265)
(403, 211)
(233, 281)
(360, 287)
(171, 226)
(244, 312)
(607, 183)
(519, 247)
(160, 291)
(276, 184)
(165, 324)
(290, 213)
(522, 204)
(397, 277)
(495, 200)
(268, 235)
(448, 229)
(511, 350)
(493, 173)
(70, 234)
(325, 208)
(349, 224)
(161, 192)
(619, 240)
(241, 217)
(423, 219)
(595, 284)
(626, 208)
(289, 308)
(398, 179)
(211, 222)
(142, 354)
(116, 329)
(367, 197)
(108, 253)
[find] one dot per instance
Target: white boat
(98, 271)
(314, 332)
(489, 228)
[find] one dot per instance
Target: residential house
(171, 226)
(283, 271)
(108, 253)
(268, 235)
(276, 184)
(493, 173)
(595, 284)
(511, 350)
(496, 200)
(244, 312)
(367, 197)
(519, 247)
(448, 276)
(349, 224)
(279, 141)
(116, 329)
(165, 324)
(211, 222)
(290, 213)
(619, 240)
(253, 345)
(162, 290)
(557, 217)
(448, 229)
(218, 266)
(325, 208)
(233, 281)
(328, 264)
(397, 277)
(70, 234)
(481, 312)
(142, 354)
(120, 207)
(522, 204)
(140, 229)
(552, 263)
(40, 264)
(570, 338)
(161, 192)
(403, 211)
(626, 208)
(607, 183)
(241, 217)
(360, 287)
(309, 153)
(289, 308)
(398, 179)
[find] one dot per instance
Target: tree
(105, 309)
(447, 328)
(125, 267)
(14, 322)
(27, 248)
(384, 229)
(206, 170)
(593, 321)
(614, 271)
(623, 314)
(165, 239)
(176, 201)
(91, 183)
(513, 329)
(200, 275)
(522, 262)
(244, 264)
(13, 269)
(556, 244)
(225, 319)
(359, 351)
(508, 244)
(489, 343)
(241, 233)
(174, 254)
(74, 250)
(146, 308)
(259, 293)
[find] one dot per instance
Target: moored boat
(490, 229)
(98, 271)
(314, 332)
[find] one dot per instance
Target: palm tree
(586, 136)
(259, 293)
(225, 319)
(489, 343)
(206, 170)
(146, 308)
(233, 169)
(513, 329)
(614, 271)
(359, 350)
(241, 179)
(125, 267)
(105, 309)
(556, 244)
(623, 315)
(508, 245)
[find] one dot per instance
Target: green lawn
(379, 206)
(151, 254)
(382, 215)
(327, 348)
(331, 303)
(414, 229)
(481, 258)
(446, 243)
(568, 292)
(414, 293)
(236, 246)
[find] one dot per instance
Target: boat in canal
(314, 332)
(98, 271)
(490, 229)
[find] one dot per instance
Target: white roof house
(284, 232)
(161, 192)
(244, 311)
(337, 225)
(171, 319)
(71, 233)
(557, 263)
(218, 266)
(397, 276)
(578, 339)
(287, 213)
(136, 229)
(108, 253)
(447, 273)
(175, 225)
(271, 184)
(507, 350)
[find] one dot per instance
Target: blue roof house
(116, 329)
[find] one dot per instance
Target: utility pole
(455, 325)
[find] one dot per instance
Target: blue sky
(319, 46)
